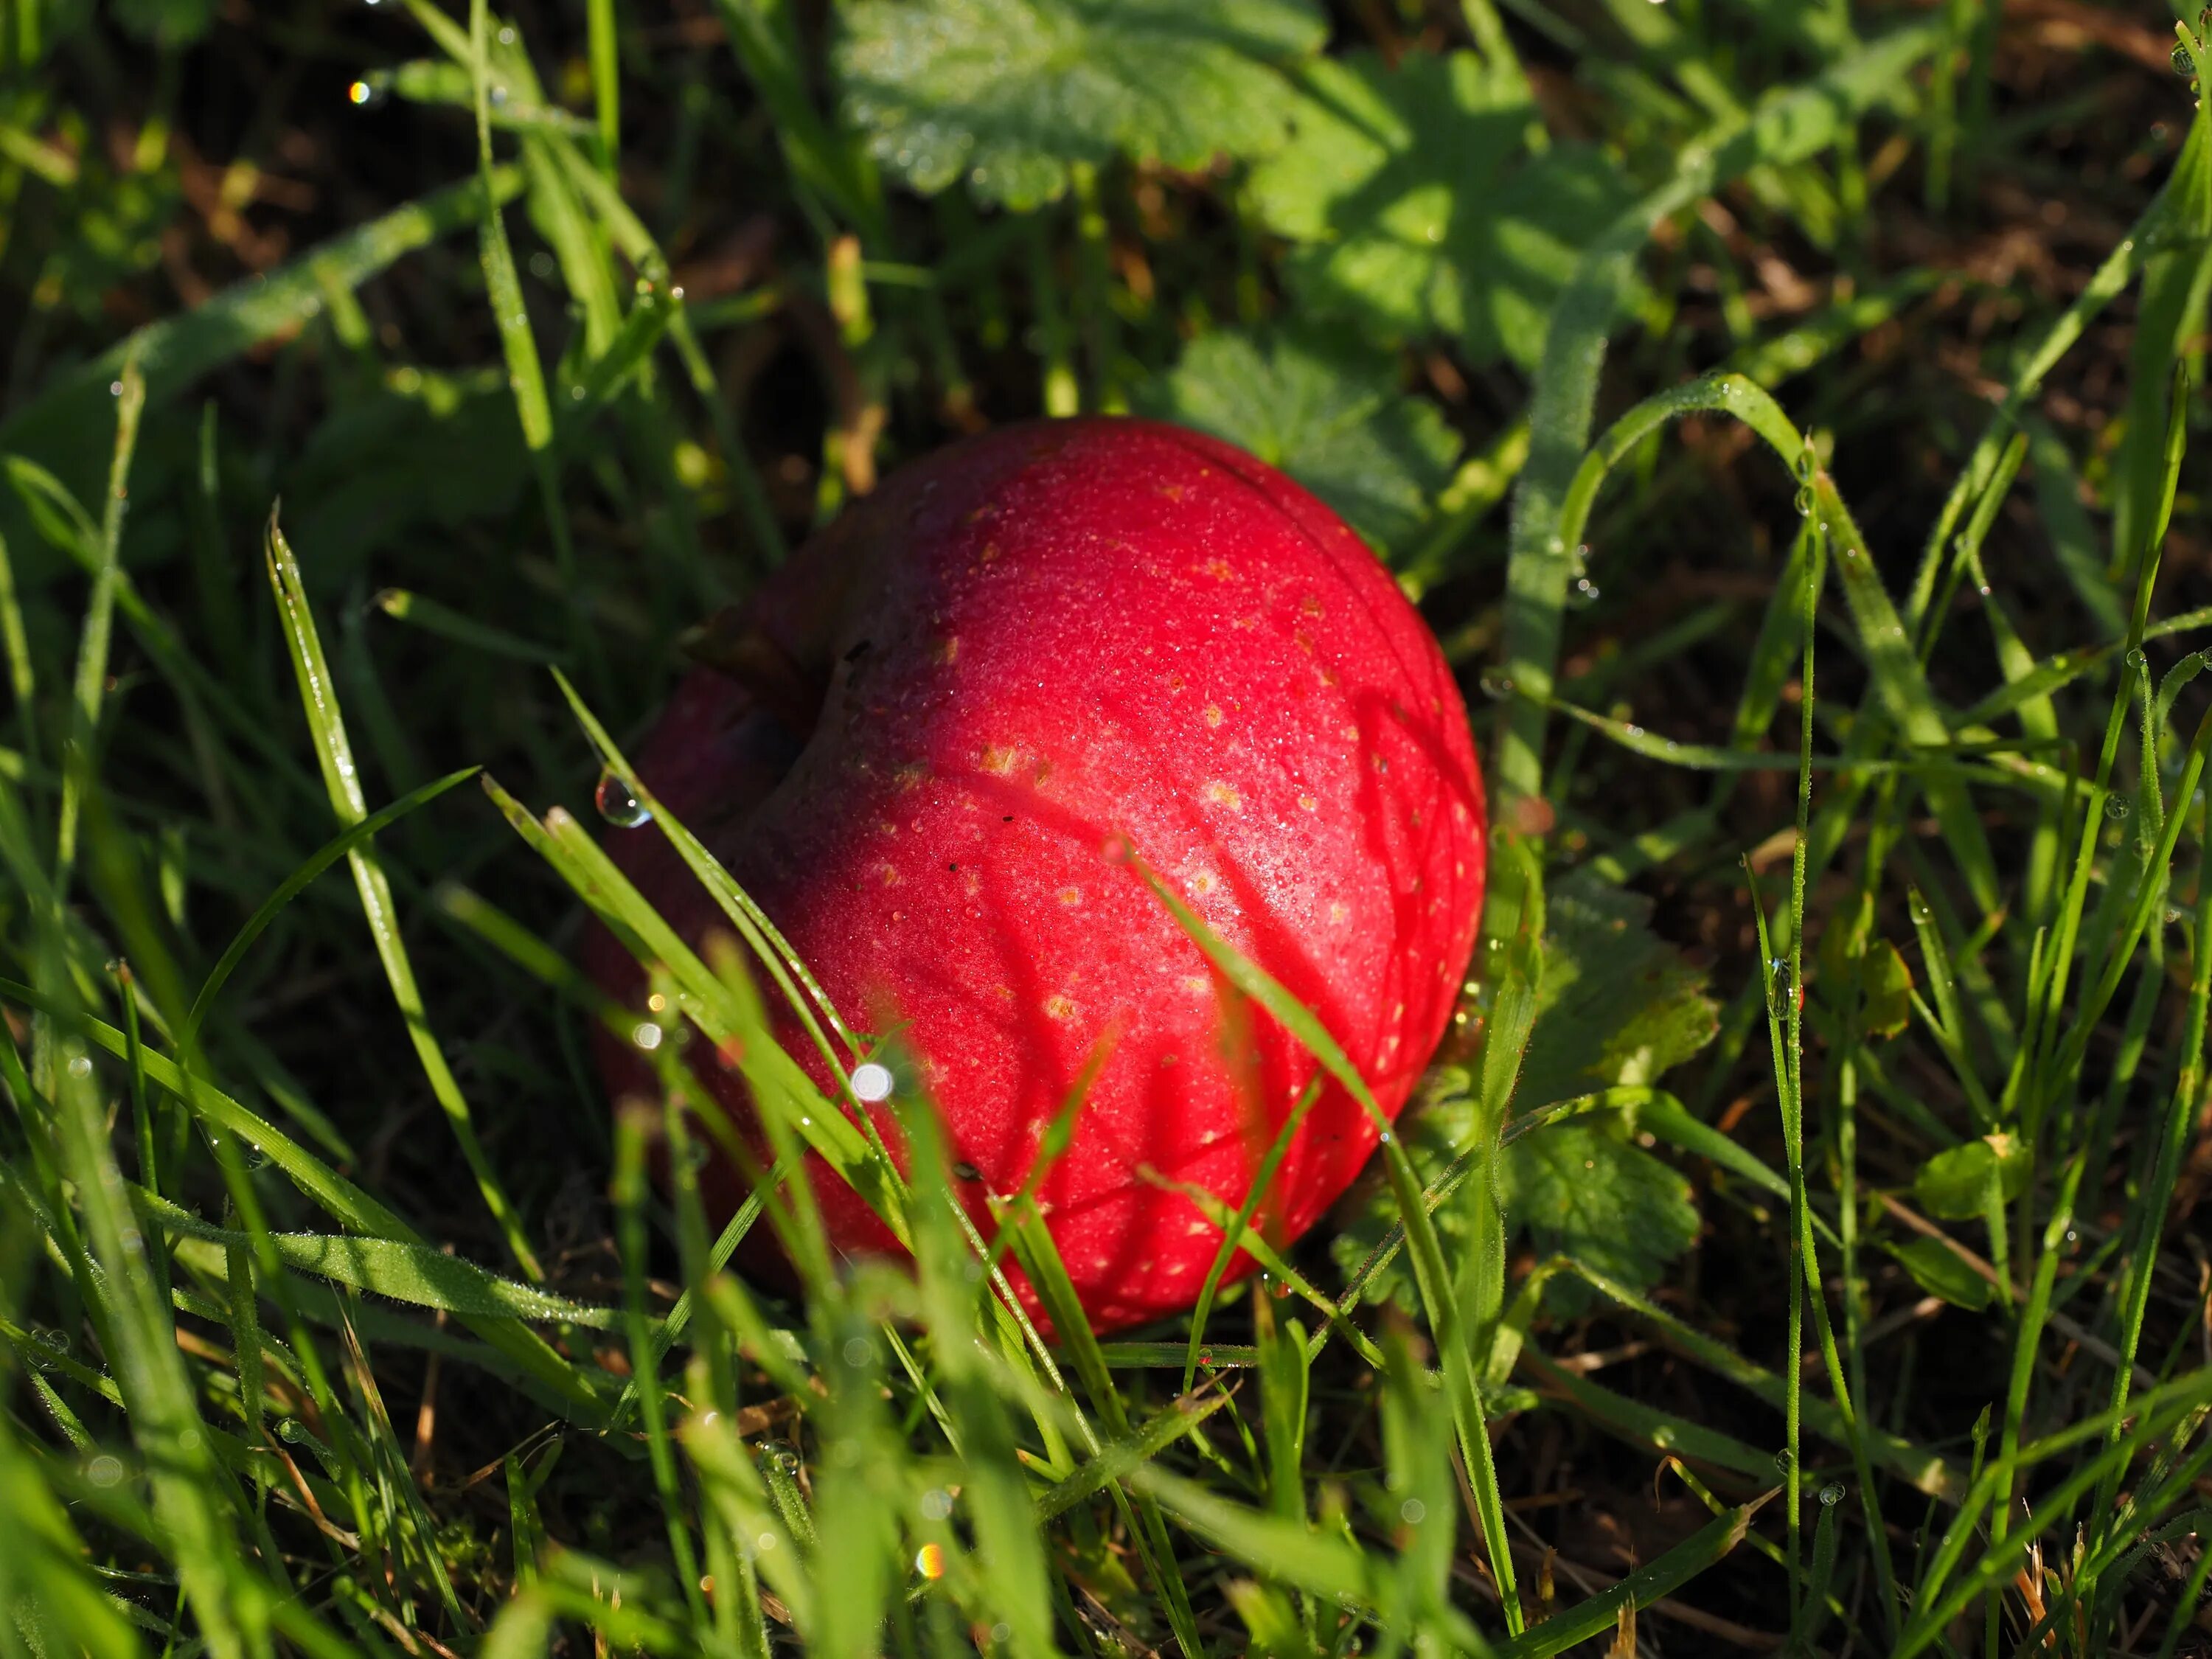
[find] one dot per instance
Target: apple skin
(1030, 653)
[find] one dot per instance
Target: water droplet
(872, 1082)
(1412, 1512)
(1388, 1137)
(1583, 594)
(1782, 1460)
(617, 805)
(1496, 687)
(1831, 1494)
(360, 94)
(499, 95)
(2182, 62)
(507, 34)
(2116, 808)
(115, 388)
(1779, 985)
(2136, 659)
(80, 1066)
(858, 1351)
(929, 1561)
(104, 1470)
(1803, 500)
(290, 1429)
(936, 1504)
(646, 1035)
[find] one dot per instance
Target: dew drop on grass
(2116, 808)
(80, 1066)
(1583, 594)
(1496, 687)
(617, 805)
(1412, 1512)
(1779, 985)
(872, 1082)
(1831, 1494)
(646, 1035)
(2135, 658)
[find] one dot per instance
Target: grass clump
(1792, 422)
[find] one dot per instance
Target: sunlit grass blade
(341, 779)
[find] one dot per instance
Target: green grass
(1791, 415)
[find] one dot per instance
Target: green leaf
(1581, 1189)
(1422, 210)
(1953, 1186)
(1010, 93)
(1939, 1270)
(1886, 985)
(1332, 417)
(1619, 1005)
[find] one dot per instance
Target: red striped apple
(938, 734)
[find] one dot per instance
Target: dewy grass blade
(525, 373)
(1255, 1194)
(433, 618)
(1647, 1584)
(1461, 1371)
(2153, 1204)
(1788, 127)
(193, 1499)
(801, 991)
(90, 689)
(15, 645)
(175, 351)
(391, 1268)
(334, 752)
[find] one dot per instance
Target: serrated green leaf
(1581, 1189)
(1953, 1185)
(1619, 1005)
(1332, 417)
(1009, 94)
(1938, 1270)
(1423, 211)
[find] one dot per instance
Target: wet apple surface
(935, 738)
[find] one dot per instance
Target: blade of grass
(341, 779)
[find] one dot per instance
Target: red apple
(948, 719)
